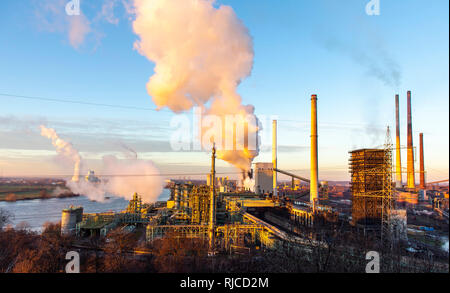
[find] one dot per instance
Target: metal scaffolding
(371, 172)
(226, 236)
(199, 204)
(387, 198)
(366, 168)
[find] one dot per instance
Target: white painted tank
(69, 219)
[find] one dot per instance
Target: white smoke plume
(141, 176)
(65, 148)
(201, 54)
(249, 184)
(52, 17)
(130, 152)
(124, 178)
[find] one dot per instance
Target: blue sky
(355, 63)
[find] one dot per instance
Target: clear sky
(354, 62)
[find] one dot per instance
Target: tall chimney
(212, 203)
(313, 186)
(398, 165)
(422, 165)
(274, 156)
(411, 181)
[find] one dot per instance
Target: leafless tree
(5, 217)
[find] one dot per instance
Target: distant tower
(422, 164)
(212, 205)
(313, 187)
(274, 157)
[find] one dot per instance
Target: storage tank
(69, 219)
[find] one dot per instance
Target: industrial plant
(235, 220)
(202, 138)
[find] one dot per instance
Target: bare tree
(5, 218)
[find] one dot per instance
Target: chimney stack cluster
(410, 172)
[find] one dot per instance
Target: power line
(136, 175)
(69, 101)
(81, 102)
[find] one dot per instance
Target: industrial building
(264, 178)
(232, 218)
(367, 181)
(90, 177)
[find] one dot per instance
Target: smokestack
(398, 165)
(64, 148)
(313, 187)
(411, 181)
(212, 204)
(274, 156)
(422, 165)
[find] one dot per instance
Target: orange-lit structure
(411, 181)
(398, 159)
(370, 186)
(422, 163)
(314, 187)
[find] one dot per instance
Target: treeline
(25, 251)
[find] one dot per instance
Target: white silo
(69, 219)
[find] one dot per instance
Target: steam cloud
(126, 176)
(52, 17)
(249, 184)
(201, 54)
(64, 148)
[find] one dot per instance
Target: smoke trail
(64, 148)
(378, 63)
(201, 54)
(125, 177)
(129, 151)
